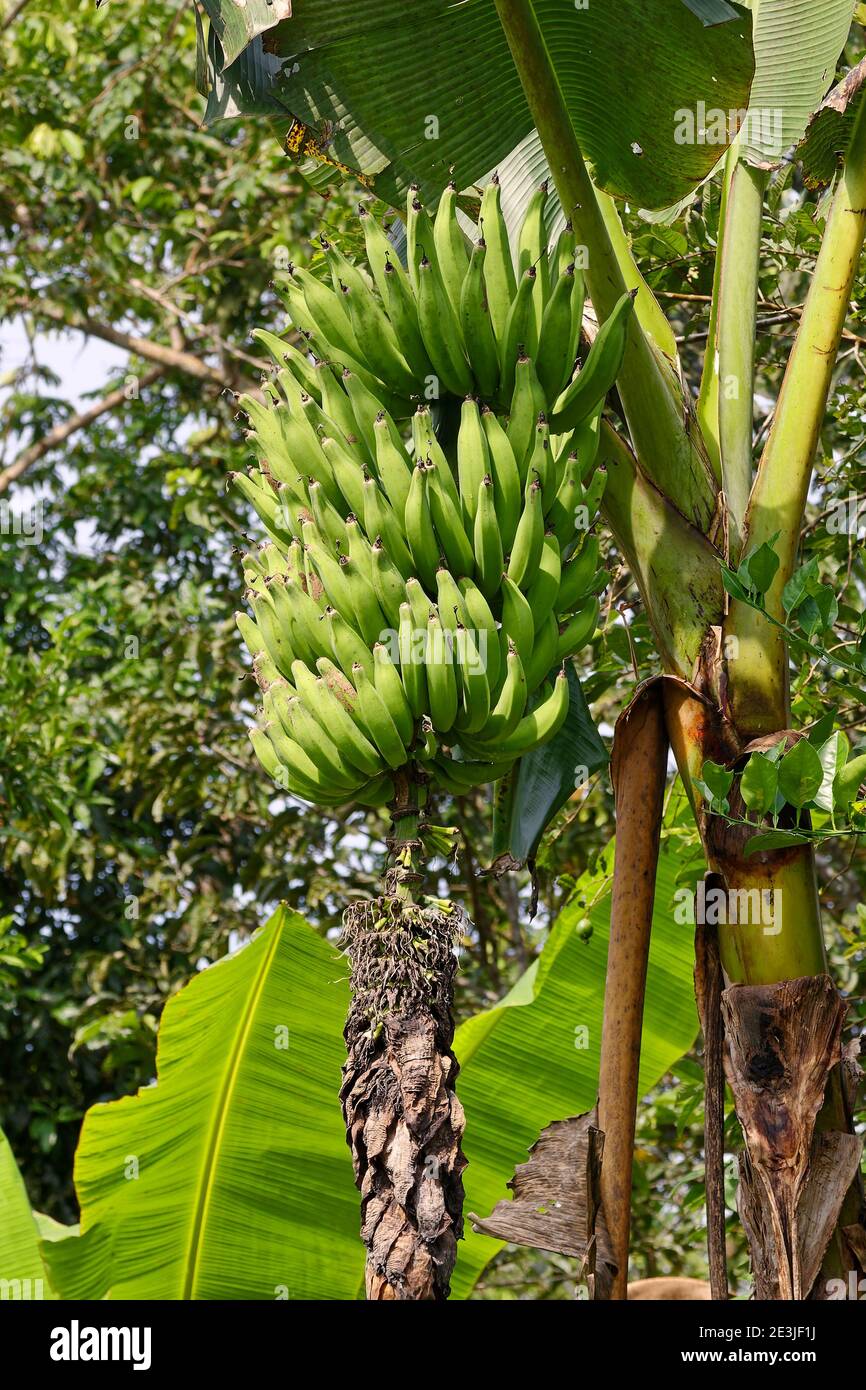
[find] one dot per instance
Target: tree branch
(61, 432)
(168, 358)
(9, 19)
(157, 297)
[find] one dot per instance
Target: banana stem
(403, 876)
(737, 312)
(759, 689)
(656, 418)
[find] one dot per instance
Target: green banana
(428, 449)
(266, 505)
(344, 273)
(477, 325)
(541, 465)
(450, 246)
(378, 246)
(420, 241)
(499, 274)
(346, 645)
(440, 331)
(481, 620)
(330, 571)
(544, 585)
(386, 679)
(289, 618)
(555, 357)
(517, 622)
(564, 251)
(473, 460)
(380, 521)
(267, 756)
(378, 342)
(305, 778)
(441, 677)
(532, 251)
(529, 538)
(506, 477)
(387, 583)
(474, 685)
(488, 541)
(328, 311)
(544, 652)
(371, 621)
(347, 472)
(285, 354)
(419, 527)
(403, 313)
(521, 335)
(312, 640)
(419, 602)
(265, 671)
(449, 600)
(600, 370)
(327, 518)
(376, 719)
(453, 541)
(356, 661)
(541, 724)
(528, 402)
(411, 641)
(460, 777)
(393, 467)
(577, 576)
(316, 743)
(509, 708)
(334, 719)
(576, 632)
(251, 633)
(277, 638)
(337, 405)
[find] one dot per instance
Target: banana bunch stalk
(426, 475)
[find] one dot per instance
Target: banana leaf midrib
(210, 1164)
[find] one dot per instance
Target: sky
(83, 364)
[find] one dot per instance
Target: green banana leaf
(797, 45)
(535, 1057)
(230, 1177)
(829, 131)
(404, 93)
(238, 25)
(545, 779)
(22, 1274)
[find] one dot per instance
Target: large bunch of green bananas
(429, 565)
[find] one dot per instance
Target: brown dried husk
(404, 1123)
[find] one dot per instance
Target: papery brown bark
(404, 1122)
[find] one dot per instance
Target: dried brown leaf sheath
(404, 1122)
(783, 1042)
(638, 771)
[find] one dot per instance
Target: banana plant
(710, 531)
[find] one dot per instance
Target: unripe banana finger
(376, 719)
(441, 677)
(578, 630)
(387, 681)
(499, 274)
(544, 653)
